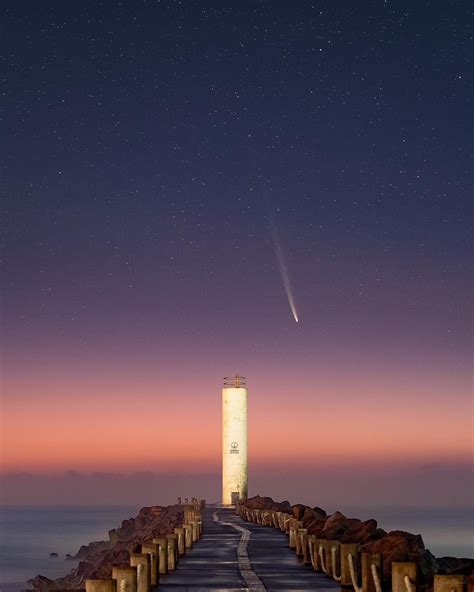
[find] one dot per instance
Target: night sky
(153, 150)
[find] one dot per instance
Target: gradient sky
(149, 149)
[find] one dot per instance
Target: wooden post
(304, 545)
(402, 574)
(162, 554)
(347, 549)
(101, 585)
(153, 551)
(200, 526)
(126, 578)
(179, 532)
(142, 562)
(326, 549)
(299, 540)
(448, 583)
(367, 560)
(194, 530)
(313, 551)
(276, 519)
(171, 541)
(293, 530)
(188, 535)
(334, 549)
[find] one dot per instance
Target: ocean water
(29, 534)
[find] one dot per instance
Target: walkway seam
(254, 583)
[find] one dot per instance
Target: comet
(285, 276)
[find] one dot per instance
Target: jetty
(223, 549)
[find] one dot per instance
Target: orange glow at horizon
(92, 430)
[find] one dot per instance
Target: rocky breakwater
(97, 559)
(396, 545)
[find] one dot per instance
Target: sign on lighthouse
(234, 440)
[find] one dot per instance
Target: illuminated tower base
(234, 441)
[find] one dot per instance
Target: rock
(298, 511)
(283, 507)
(320, 511)
(91, 548)
(398, 545)
(260, 503)
(315, 526)
(41, 583)
(335, 526)
(53, 555)
(311, 516)
(68, 556)
(362, 532)
(454, 565)
(127, 529)
(114, 537)
(267, 503)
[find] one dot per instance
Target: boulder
(91, 548)
(315, 526)
(335, 526)
(454, 565)
(362, 532)
(310, 516)
(298, 511)
(114, 536)
(398, 545)
(259, 503)
(320, 511)
(283, 507)
(41, 583)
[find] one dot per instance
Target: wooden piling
(188, 535)
(152, 549)
(403, 576)
(142, 562)
(367, 561)
(448, 584)
(126, 578)
(104, 585)
(172, 551)
(180, 533)
(162, 554)
(347, 549)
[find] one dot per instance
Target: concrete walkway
(218, 562)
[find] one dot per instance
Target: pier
(222, 549)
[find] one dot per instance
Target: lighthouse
(234, 441)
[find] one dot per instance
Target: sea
(29, 534)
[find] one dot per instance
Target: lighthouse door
(234, 497)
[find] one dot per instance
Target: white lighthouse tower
(234, 440)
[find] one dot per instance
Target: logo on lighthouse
(234, 448)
